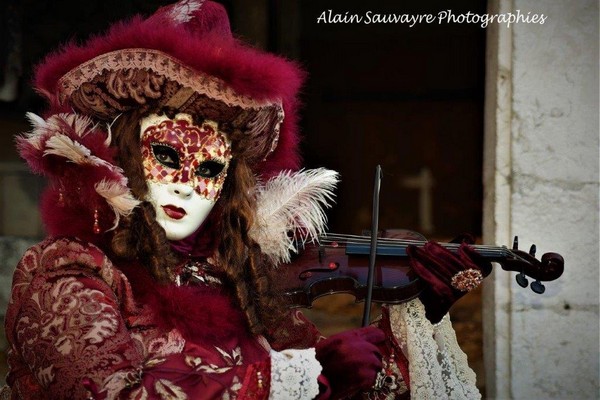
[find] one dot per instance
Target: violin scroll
(549, 268)
(553, 264)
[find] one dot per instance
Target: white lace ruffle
(438, 368)
(294, 374)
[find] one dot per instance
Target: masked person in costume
(171, 151)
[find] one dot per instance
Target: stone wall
(541, 182)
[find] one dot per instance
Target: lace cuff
(438, 368)
(294, 374)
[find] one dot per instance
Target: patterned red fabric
(72, 316)
(76, 330)
(294, 332)
(256, 382)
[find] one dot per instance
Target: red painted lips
(174, 212)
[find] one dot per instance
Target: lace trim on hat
(294, 374)
(438, 368)
(161, 63)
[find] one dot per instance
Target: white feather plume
(35, 136)
(81, 125)
(35, 120)
(54, 126)
(291, 211)
(118, 196)
(108, 139)
(64, 146)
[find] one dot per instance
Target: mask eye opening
(210, 169)
(165, 155)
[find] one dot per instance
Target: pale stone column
(541, 183)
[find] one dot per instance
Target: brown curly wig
(140, 237)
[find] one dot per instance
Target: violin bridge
(321, 253)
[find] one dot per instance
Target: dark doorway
(407, 98)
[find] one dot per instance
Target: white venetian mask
(185, 167)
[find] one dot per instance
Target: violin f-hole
(308, 273)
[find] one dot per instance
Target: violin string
(393, 242)
(331, 238)
(356, 239)
(335, 239)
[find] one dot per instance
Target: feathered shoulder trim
(87, 192)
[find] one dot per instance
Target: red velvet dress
(79, 328)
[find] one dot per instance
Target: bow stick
(373, 251)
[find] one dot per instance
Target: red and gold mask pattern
(177, 151)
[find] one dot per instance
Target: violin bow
(373, 250)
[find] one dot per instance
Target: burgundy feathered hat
(183, 57)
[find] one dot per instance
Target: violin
(376, 269)
(339, 264)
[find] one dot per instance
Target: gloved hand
(447, 276)
(351, 360)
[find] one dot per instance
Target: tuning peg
(522, 280)
(538, 287)
(516, 243)
(532, 250)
